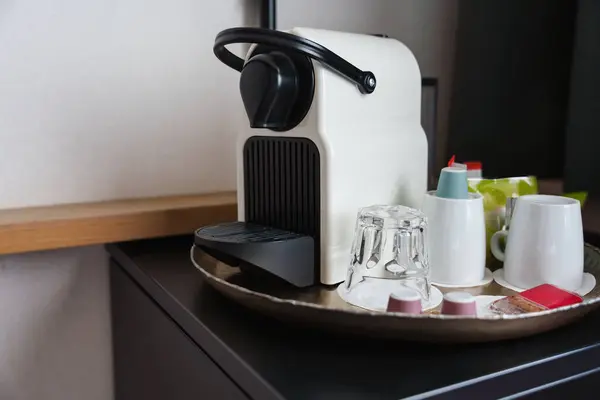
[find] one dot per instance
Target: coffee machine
(334, 125)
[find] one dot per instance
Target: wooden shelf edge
(71, 225)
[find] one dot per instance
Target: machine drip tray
(285, 254)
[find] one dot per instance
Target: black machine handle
(365, 80)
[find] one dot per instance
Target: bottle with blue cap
(453, 183)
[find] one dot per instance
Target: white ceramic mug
(544, 243)
(456, 239)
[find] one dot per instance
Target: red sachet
(539, 298)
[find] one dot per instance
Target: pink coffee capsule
(405, 300)
(459, 303)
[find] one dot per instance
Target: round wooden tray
(321, 307)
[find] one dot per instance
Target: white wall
(104, 99)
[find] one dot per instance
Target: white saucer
(588, 283)
(373, 295)
(487, 278)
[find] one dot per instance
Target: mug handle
(497, 250)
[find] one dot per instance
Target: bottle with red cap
(473, 169)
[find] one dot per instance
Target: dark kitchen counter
(267, 359)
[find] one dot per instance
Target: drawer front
(583, 385)
(153, 357)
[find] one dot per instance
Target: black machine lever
(364, 80)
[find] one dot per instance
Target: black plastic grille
(282, 185)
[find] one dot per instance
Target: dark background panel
(511, 85)
(582, 170)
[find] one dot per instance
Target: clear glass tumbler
(389, 252)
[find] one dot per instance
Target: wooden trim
(52, 227)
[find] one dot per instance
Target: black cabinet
(177, 338)
(585, 385)
(154, 358)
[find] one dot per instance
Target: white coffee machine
(325, 138)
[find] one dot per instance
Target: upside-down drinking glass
(388, 252)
